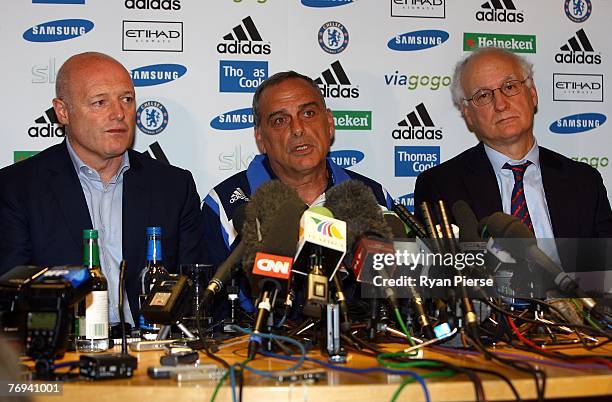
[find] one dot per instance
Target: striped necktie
(518, 204)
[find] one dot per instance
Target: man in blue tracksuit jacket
(294, 131)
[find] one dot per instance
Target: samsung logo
(156, 74)
(55, 31)
(346, 158)
(407, 200)
(234, 120)
(325, 3)
(417, 40)
(577, 123)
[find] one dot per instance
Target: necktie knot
(517, 170)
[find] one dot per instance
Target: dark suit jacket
(43, 213)
(575, 194)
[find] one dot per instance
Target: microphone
(272, 262)
(398, 229)
(410, 220)
(225, 271)
(500, 226)
(265, 203)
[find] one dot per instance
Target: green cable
(398, 315)
(414, 363)
(214, 395)
(586, 316)
(443, 373)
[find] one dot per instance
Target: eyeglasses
(509, 88)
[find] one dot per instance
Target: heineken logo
(352, 119)
(511, 42)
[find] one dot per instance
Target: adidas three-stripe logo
(239, 34)
(46, 126)
(417, 125)
(244, 38)
(578, 50)
(334, 83)
(499, 11)
(414, 120)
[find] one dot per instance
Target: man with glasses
(507, 170)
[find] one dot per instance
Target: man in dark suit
(93, 180)
(507, 171)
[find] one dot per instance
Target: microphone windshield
(353, 202)
(398, 228)
(466, 219)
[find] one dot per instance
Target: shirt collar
(498, 159)
(82, 167)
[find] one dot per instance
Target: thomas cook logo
(578, 10)
(327, 228)
(151, 117)
(333, 37)
(55, 31)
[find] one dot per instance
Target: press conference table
(339, 386)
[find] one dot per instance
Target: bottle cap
(90, 234)
(154, 230)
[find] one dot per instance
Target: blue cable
(299, 361)
(415, 375)
(233, 382)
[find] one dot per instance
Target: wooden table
(339, 386)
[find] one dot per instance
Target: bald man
(94, 180)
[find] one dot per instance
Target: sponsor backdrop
(384, 66)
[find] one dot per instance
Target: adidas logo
(495, 11)
(238, 194)
(419, 126)
(47, 126)
(155, 151)
(577, 51)
(243, 39)
(334, 83)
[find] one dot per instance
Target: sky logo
(241, 76)
(325, 3)
(406, 200)
(417, 40)
(346, 158)
(156, 74)
(234, 120)
(577, 123)
(410, 161)
(55, 31)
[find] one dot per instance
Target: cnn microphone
(271, 267)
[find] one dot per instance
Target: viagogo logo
(414, 81)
